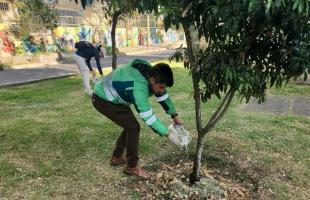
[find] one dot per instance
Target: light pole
(148, 30)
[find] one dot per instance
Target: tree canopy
(36, 16)
(250, 44)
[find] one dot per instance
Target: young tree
(252, 45)
(36, 16)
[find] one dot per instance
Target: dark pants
(122, 116)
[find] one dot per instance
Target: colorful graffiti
(142, 37)
(84, 33)
(29, 44)
(105, 37)
(5, 43)
(64, 38)
(137, 36)
(156, 36)
(67, 36)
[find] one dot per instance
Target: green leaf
(269, 3)
(278, 3)
(167, 22)
(217, 93)
(307, 8)
(296, 2)
(301, 6)
(305, 76)
(279, 82)
(272, 81)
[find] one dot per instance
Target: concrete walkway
(21, 76)
(294, 105)
(36, 72)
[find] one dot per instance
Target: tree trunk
(148, 31)
(194, 177)
(114, 23)
(45, 45)
(191, 41)
(216, 116)
(94, 35)
(195, 75)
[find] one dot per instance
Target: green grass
(55, 145)
(291, 90)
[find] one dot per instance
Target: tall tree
(115, 8)
(252, 45)
(36, 16)
(96, 18)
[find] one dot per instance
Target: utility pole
(148, 31)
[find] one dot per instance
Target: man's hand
(177, 120)
(94, 73)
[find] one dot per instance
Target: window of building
(69, 17)
(4, 6)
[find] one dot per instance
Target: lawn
(55, 145)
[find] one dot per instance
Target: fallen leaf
(159, 175)
(165, 166)
(223, 185)
(205, 171)
(240, 192)
(174, 180)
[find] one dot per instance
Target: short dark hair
(162, 74)
(99, 48)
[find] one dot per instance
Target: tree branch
(187, 9)
(219, 108)
(224, 109)
(218, 114)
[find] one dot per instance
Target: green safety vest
(129, 85)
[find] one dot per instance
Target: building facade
(8, 26)
(75, 24)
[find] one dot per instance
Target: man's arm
(87, 61)
(141, 104)
(97, 58)
(165, 101)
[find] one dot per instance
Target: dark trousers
(122, 116)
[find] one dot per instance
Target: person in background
(100, 49)
(133, 84)
(85, 51)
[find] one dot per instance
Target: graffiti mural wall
(6, 43)
(67, 36)
(138, 36)
(64, 38)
